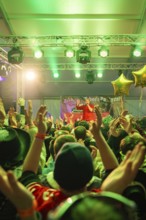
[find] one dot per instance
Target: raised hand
(31, 163)
(108, 158)
(12, 117)
(28, 114)
(124, 113)
(126, 124)
(126, 172)
(41, 120)
(114, 130)
(95, 128)
(2, 108)
(21, 101)
(2, 113)
(78, 102)
(14, 190)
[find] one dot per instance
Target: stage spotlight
(69, 52)
(136, 52)
(103, 51)
(83, 55)
(15, 55)
(56, 75)
(38, 53)
(99, 75)
(30, 75)
(90, 77)
(77, 75)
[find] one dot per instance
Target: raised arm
(79, 105)
(125, 173)
(2, 113)
(31, 162)
(90, 107)
(108, 158)
(12, 117)
(21, 198)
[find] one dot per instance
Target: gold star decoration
(122, 85)
(140, 77)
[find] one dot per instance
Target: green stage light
(56, 75)
(103, 52)
(90, 77)
(38, 54)
(136, 52)
(99, 75)
(69, 53)
(77, 75)
(83, 55)
(15, 55)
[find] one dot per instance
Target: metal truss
(91, 66)
(4, 60)
(76, 40)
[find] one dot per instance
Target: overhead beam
(91, 66)
(26, 16)
(75, 40)
(5, 19)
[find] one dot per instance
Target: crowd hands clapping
(113, 148)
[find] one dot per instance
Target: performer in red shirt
(87, 108)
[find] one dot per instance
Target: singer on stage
(87, 109)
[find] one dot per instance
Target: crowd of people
(53, 170)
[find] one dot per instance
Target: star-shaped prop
(122, 85)
(140, 77)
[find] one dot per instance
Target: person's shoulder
(47, 198)
(29, 177)
(45, 194)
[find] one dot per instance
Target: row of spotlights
(103, 52)
(83, 55)
(15, 55)
(78, 75)
(30, 75)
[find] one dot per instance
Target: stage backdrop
(58, 106)
(107, 105)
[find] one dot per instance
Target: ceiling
(55, 25)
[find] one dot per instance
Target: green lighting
(137, 52)
(103, 52)
(99, 75)
(69, 53)
(77, 75)
(38, 54)
(56, 75)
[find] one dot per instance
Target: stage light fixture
(15, 55)
(136, 52)
(90, 77)
(69, 52)
(56, 75)
(77, 75)
(83, 55)
(103, 51)
(38, 53)
(99, 75)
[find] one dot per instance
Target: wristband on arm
(40, 136)
(24, 213)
